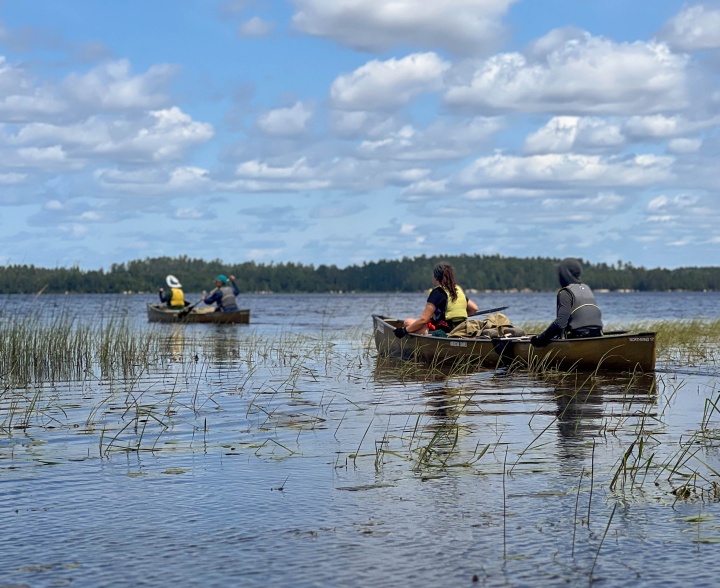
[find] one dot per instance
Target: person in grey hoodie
(578, 314)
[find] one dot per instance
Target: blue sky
(356, 130)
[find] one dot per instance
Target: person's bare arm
(418, 324)
(472, 308)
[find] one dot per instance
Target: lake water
(286, 453)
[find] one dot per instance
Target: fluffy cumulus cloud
(594, 208)
(442, 140)
(426, 188)
(694, 28)
(112, 87)
(462, 26)
(389, 84)
(682, 220)
(442, 131)
(23, 98)
(662, 126)
(155, 180)
(255, 27)
(564, 134)
(75, 213)
(114, 124)
(288, 121)
(576, 74)
(337, 173)
(572, 170)
(680, 146)
(156, 135)
(668, 208)
(260, 176)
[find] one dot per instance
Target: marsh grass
(287, 385)
(330, 399)
(35, 351)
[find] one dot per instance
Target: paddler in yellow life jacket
(174, 298)
(447, 306)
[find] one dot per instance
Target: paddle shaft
(185, 311)
(488, 311)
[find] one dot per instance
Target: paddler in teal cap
(223, 296)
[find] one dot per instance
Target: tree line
(478, 272)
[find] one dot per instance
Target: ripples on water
(287, 453)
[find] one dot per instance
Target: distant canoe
(444, 351)
(614, 351)
(162, 314)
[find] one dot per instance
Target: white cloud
(684, 145)
(684, 216)
(586, 75)
(607, 201)
(379, 85)
(660, 126)
(445, 139)
(258, 176)
(425, 189)
(190, 213)
(562, 134)
(12, 178)
(159, 135)
(653, 126)
(259, 170)
(180, 180)
(694, 28)
(23, 98)
(107, 88)
(53, 205)
(690, 212)
(677, 202)
(42, 156)
(255, 27)
(568, 169)
(657, 203)
(352, 124)
(111, 87)
(463, 26)
(74, 230)
(288, 121)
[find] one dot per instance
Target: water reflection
(578, 407)
(174, 346)
(587, 406)
(394, 370)
(216, 344)
(443, 403)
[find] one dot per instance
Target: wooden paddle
(488, 311)
(186, 311)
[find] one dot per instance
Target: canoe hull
(444, 351)
(159, 314)
(611, 352)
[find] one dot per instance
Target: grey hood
(569, 271)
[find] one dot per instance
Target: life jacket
(585, 311)
(228, 301)
(456, 311)
(177, 298)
